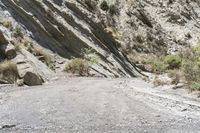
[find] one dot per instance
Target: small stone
(20, 82)
(7, 126)
(185, 109)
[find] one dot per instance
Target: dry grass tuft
(7, 23)
(78, 66)
(9, 72)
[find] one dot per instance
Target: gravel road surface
(95, 105)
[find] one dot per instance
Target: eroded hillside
(112, 31)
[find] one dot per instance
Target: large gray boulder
(31, 70)
(29, 75)
(32, 79)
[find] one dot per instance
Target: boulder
(32, 79)
(36, 65)
(8, 50)
(29, 75)
(3, 40)
(32, 71)
(20, 82)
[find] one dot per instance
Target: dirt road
(93, 105)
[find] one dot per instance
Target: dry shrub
(9, 71)
(48, 60)
(18, 46)
(17, 32)
(78, 66)
(7, 23)
(26, 42)
(175, 75)
(43, 56)
(37, 51)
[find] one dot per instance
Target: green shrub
(195, 48)
(151, 62)
(17, 46)
(91, 56)
(113, 10)
(104, 6)
(191, 71)
(191, 67)
(78, 66)
(17, 32)
(195, 86)
(173, 61)
(158, 66)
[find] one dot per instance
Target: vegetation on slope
(181, 66)
(8, 72)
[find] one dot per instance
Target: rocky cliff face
(64, 28)
(153, 25)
